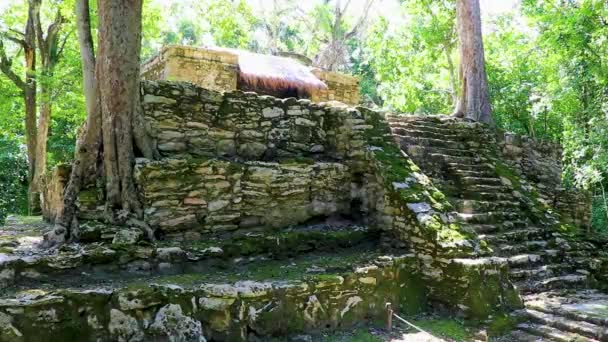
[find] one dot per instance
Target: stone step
(496, 228)
(582, 328)
(458, 159)
(467, 181)
(552, 334)
(484, 228)
(145, 258)
(521, 336)
(476, 167)
(472, 173)
(530, 274)
(487, 195)
(425, 130)
(427, 126)
(225, 301)
(468, 131)
(527, 246)
(559, 263)
(525, 234)
(569, 281)
(524, 260)
(418, 131)
(545, 271)
(422, 150)
(490, 217)
(485, 188)
(473, 206)
(583, 305)
(425, 138)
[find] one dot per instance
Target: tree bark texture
(49, 51)
(114, 126)
(474, 100)
(118, 77)
(29, 93)
(88, 146)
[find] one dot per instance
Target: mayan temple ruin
(279, 207)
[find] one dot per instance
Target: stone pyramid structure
(506, 190)
(274, 217)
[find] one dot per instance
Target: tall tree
(44, 49)
(27, 42)
(333, 32)
(50, 47)
(473, 100)
(112, 98)
(414, 61)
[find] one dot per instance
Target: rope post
(389, 317)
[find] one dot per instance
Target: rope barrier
(389, 322)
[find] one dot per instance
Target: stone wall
(218, 70)
(196, 197)
(239, 162)
(199, 122)
(55, 182)
(540, 164)
(574, 207)
(210, 69)
(214, 311)
(340, 87)
(191, 122)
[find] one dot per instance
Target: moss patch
(501, 325)
(445, 328)
(506, 172)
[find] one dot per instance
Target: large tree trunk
(44, 122)
(118, 77)
(49, 51)
(111, 87)
(474, 100)
(31, 131)
(88, 146)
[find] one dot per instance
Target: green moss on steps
(504, 171)
(501, 324)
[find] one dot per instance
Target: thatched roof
(274, 72)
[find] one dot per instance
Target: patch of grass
(359, 335)
(28, 219)
(445, 328)
(501, 325)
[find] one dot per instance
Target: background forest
(547, 64)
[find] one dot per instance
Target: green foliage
(518, 82)
(223, 23)
(573, 40)
(599, 214)
(414, 63)
(13, 177)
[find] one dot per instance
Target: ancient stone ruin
(274, 217)
(228, 70)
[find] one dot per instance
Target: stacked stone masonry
(340, 87)
(239, 165)
(218, 70)
(506, 189)
(448, 214)
(540, 164)
(211, 69)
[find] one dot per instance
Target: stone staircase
(464, 162)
